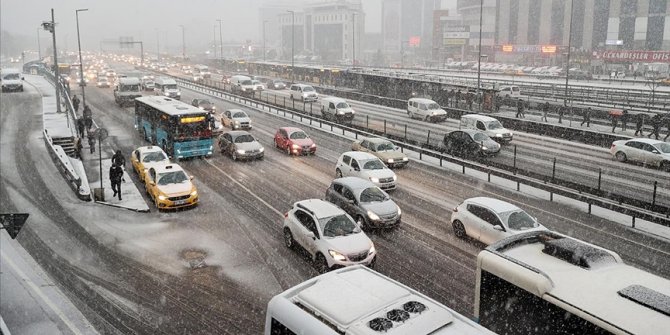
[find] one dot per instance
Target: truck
(126, 90)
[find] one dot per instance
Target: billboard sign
(636, 56)
(414, 41)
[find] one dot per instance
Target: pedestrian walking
(75, 103)
(587, 117)
(561, 111)
(624, 119)
(81, 126)
(118, 159)
(78, 147)
(468, 100)
(88, 117)
(451, 96)
(498, 102)
(615, 121)
(639, 123)
(519, 109)
(667, 127)
(115, 176)
(545, 111)
(458, 97)
(655, 126)
(91, 141)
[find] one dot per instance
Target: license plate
(180, 202)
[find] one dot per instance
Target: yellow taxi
(169, 186)
(143, 158)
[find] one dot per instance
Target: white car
(367, 166)
(328, 234)
(236, 119)
(303, 93)
(489, 220)
(643, 150)
(258, 86)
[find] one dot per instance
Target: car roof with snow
(375, 140)
(319, 208)
(422, 100)
(359, 155)
(354, 183)
(149, 148)
(644, 140)
(495, 205)
(164, 168)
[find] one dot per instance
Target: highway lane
(576, 162)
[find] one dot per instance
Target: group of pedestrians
(84, 125)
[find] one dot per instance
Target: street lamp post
(292, 44)
(353, 39)
(50, 26)
(567, 66)
(158, 46)
(183, 42)
(479, 58)
(264, 52)
(39, 48)
(82, 82)
(221, 40)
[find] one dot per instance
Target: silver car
(365, 202)
(240, 145)
(643, 150)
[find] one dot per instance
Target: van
(167, 87)
(510, 91)
(358, 300)
(336, 109)
(486, 124)
(242, 84)
(12, 80)
(303, 93)
(425, 109)
(127, 89)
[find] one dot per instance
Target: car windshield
(204, 102)
(663, 147)
(173, 177)
(256, 82)
(338, 225)
(155, 156)
(171, 86)
(247, 82)
(479, 137)
(298, 135)
(433, 106)
(342, 105)
(129, 88)
(519, 220)
(494, 125)
(244, 138)
(308, 89)
(239, 114)
(372, 164)
(386, 146)
(373, 194)
(12, 76)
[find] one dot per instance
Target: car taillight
(286, 215)
(455, 209)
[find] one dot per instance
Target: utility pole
(39, 48)
(353, 39)
(183, 42)
(264, 52)
(51, 27)
(221, 40)
(479, 58)
(215, 52)
(292, 45)
(158, 46)
(567, 66)
(82, 82)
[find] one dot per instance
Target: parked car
(144, 158)
(489, 220)
(469, 143)
(366, 166)
(169, 187)
(383, 149)
(236, 119)
(369, 205)
(294, 141)
(642, 150)
(203, 104)
(328, 234)
(239, 144)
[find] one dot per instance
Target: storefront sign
(636, 56)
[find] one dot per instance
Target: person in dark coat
(639, 123)
(667, 127)
(561, 111)
(115, 176)
(88, 117)
(624, 119)
(468, 99)
(587, 117)
(655, 125)
(545, 111)
(615, 122)
(519, 109)
(118, 159)
(75, 103)
(91, 141)
(81, 126)
(498, 102)
(451, 96)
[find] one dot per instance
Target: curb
(123, 207)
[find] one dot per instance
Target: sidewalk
(31, 302)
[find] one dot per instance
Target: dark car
(469, 143)
(203, 104)
(272, 84)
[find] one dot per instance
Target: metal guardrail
(633, 212)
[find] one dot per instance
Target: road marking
(245, 188)
(44, 298)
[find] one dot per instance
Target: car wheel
(427, 119)
(459, 229)
(665, 166)
(338, 173)
(288, 239)
(360, 220)
(321, 264)
(621, 156)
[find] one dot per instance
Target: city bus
(181, 130)
(358, 300)
(549, 283)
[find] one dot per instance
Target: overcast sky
(145, 19)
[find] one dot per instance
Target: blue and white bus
(181, 130)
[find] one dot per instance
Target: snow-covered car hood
(351, 244)
(437, 112)
(397, 156)
(511, 231)
(11, 81)
(176, 189)
(241, 119)
(303, 142)
(248, 146)
(501, 131)
(342, 111)
(380, 208)
(381, 173)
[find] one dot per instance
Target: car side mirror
(311, 235)
(499, 228)
(655, 151)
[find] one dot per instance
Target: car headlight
(484, 148)
(178, 93)
(261, 149)
(390, 161)
(241, 151)
(373, 216)
(295, 146)
(405, 159)
(499, 135)
(510, 134)
(237, 122)
(167, 94)
(313, 145)
(374, 180)
(213, 107)
(395, 178)
(162, 197)
(194, 193)
(372, 249)
(337, 256)
(399, 211)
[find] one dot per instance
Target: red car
(294, 141)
